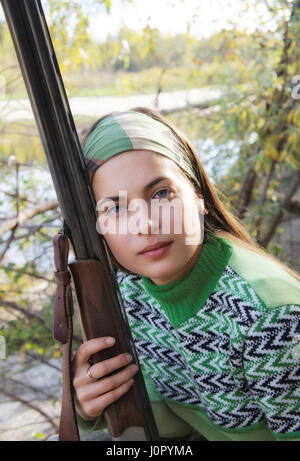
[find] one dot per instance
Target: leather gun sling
(88, 292)
(63, 333)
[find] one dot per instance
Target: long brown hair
(218, 219)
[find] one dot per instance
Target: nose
(147, 222)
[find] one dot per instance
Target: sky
(169, 16)
(205, 16)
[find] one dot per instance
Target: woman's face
(129, 226)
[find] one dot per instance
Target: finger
(96, 406)
(90, 347)
(105, 367)
(100, 369)
(96, 388)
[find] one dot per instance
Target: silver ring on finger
(90, 376)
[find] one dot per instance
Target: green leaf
(277, 250)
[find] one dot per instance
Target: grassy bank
(105, 83)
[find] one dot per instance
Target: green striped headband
(130, 130)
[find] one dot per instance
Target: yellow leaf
(244, 117)
(282, 155)
(272, 152)
(272, 139)
(290, 116)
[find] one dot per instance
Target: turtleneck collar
(183, 297)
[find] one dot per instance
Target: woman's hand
(93, 396)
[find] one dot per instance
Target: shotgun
(100, 304)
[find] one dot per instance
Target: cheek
(191, 221)
(121, 248)
(185, 213)
(117, 243)
(179, 216)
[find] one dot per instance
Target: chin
(156, 269)
(161, 272)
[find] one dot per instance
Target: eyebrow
(146, 189)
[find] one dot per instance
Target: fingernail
(110, 340)
(134, 368)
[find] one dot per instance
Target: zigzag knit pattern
(235, 359)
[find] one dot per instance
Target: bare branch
(27, 313)
(17, 398)
(293, 206)
(284, 202)
(34, 228)
(8, 242)
(41, 359)
(34, 389)
(24, 216)
(31, 274)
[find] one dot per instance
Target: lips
(154, 247)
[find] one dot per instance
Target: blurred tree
(249, 137)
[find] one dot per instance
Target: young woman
(215, 319)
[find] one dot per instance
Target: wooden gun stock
(99, 318)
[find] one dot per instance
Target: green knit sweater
(220, 346)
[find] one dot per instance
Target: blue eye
(162, 190)
(113, 208)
